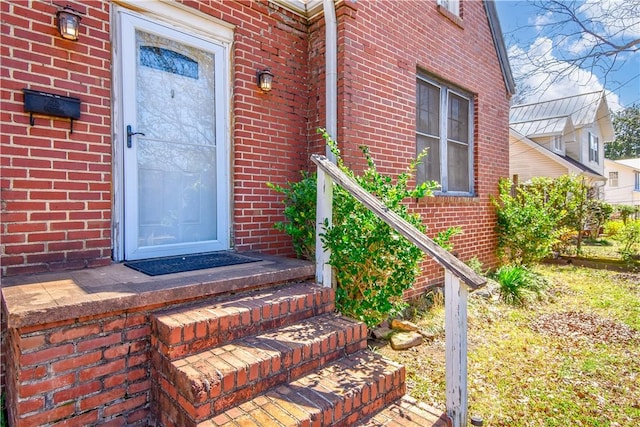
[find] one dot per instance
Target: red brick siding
(81, 371)
(56, 185)
(270, 135)
(381, 47)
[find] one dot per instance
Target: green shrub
(373, 265)
(626, 211)
(300, 211)
(443, 238)
(519, 285)
(565, 241)
(629, 238)
(546, 214)
(598, 213)
(476, 265)
(612, 228)
(526, 229)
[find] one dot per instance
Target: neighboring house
(623, 182)
(148, 137)
(559, 137)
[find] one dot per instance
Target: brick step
(406, 412)
(212, 381)
(338, 394)
(186, 330)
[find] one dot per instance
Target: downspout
(324, 202)
(331, 72)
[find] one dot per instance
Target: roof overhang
(306, 8)
(553, 126)
(603, 118)
(501, 49)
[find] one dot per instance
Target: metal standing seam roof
(542, 127)
(551, 116)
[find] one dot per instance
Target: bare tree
(592, 35)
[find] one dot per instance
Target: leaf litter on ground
(572, 359)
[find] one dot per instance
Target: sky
(524, 31)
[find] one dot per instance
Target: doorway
(175, 174)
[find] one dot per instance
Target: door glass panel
(176, 157)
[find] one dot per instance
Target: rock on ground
(405, 340)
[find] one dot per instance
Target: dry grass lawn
(572, 359)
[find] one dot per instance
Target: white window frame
(445, 91)
(557, 144)
(452, 6)
(613, 179)
(636, 187)
(594, 148)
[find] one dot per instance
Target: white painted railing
(458, 278)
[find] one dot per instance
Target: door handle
(130, 133)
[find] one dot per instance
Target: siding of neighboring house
(547, 142)
(624, 193)
(583, 137)
(572, 147)
(527, 162)
(57, 187)
(574, 118)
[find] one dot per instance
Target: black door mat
(181, 263)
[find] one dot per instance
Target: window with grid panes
(444, 118)
(594, 148)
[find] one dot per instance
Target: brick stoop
(277, 356)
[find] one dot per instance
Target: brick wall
(270, 130)
(94, 369)
(56, 185)
(381, 47)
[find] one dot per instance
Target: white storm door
(174, 119)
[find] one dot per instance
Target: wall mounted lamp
(264, 78)
(68, 22)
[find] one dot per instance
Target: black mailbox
(51, 104)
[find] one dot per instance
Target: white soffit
(306, 8)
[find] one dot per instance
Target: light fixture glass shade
(68, 23)
(265, 78)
